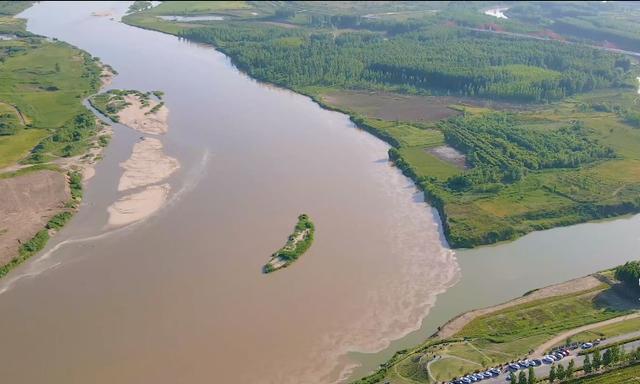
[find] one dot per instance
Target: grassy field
(505, 335)
(15, 147)
(197, 7)
(608, 331)
(42, 83)
(11, 8)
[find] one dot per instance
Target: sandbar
(139, 117)
(147, 165)
(138, 206)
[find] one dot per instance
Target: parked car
(559, 356)
(513, 367)
(466, 380)
(548, 360)
(536, 362)
(495, 371)
(587, 345)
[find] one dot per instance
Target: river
(180, 297)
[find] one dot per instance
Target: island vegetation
(113, 101)
(297, 244)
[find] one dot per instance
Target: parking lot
(542, 370)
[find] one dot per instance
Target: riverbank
(50, 143)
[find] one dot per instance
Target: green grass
(15, 147)
(48, 82)
(29, 169)
(541, 317)
(448, 367)
(197, 7)
(426, 164)
(607, 331)
(13, 7)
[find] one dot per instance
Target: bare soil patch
(395, 106)
(450, 155)
(27, 203)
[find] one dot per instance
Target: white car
(586, 345)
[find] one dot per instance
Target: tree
(552, 373)
(531, 376)
(560, 372)
(629, 274)
(586, 366)
(597, 360)
(570, 368)
(512, 378)
(607, 358)
(522, 378)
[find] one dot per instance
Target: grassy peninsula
(48, 139)
(297, 244)
(533, 130)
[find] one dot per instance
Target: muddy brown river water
(180, 297)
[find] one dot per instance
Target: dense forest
(430, 60)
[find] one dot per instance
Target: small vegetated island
(297, 244)
(143, 111)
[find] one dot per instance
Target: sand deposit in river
(140, 117)
(147, 165)
(138, 206)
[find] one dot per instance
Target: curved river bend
(180, 297)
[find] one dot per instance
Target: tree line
(432, 59)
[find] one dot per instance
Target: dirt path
(539, 351)
(23, 120)
(456, 324)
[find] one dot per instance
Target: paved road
(543, 370)
(565, 335)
